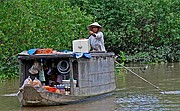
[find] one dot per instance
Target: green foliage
(121, 57)
(26, 24)
(135, 26)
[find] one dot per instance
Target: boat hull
(32, 97)
(29, 96)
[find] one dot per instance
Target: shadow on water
(132, 94)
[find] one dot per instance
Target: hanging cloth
(41, 73)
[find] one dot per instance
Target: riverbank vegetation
(137, 31)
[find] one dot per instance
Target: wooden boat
(86, 77)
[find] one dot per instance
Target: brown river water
(131, 94)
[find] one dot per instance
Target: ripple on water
(171, 92)
(145, 102)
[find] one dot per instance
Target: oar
(163, 92)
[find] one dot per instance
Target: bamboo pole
(141, 78)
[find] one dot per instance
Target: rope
(141, 77)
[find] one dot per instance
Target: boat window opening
(56, 72)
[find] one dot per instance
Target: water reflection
(132, 94)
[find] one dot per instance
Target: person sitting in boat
(96, 37)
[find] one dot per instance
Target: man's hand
(91, 32)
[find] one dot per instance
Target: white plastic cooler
(82, 45)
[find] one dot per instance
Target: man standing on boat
(96, 37)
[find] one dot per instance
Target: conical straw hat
(95, 24)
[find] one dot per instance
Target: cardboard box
(82, 45)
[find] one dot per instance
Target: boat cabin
(72, 75)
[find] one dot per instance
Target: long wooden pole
(140, 77)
